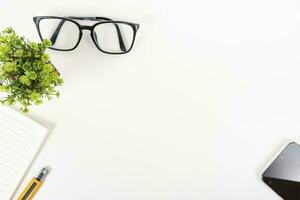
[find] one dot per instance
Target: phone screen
(283, 175)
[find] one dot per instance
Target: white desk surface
(206, 97)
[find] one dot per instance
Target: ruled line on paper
(14, 141)
(20, 131)
(20, 139)
(21, 126)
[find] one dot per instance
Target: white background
(208, 94)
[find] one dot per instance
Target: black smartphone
(283, 175)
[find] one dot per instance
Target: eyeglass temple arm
(56, 32)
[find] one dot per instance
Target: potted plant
(27, 76)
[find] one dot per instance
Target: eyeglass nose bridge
(84, 27)
(90, 28)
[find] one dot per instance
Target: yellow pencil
(34, 185)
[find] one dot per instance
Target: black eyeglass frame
(102, 20)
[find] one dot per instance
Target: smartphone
(283, 174)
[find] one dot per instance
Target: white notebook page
(20, 140)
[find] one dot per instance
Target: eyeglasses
(109, 36)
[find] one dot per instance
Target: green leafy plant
(27, 77)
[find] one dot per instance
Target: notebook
(20, 140)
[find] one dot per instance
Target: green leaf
(8, 66)
(31, 75)
(47, 43)
(24, 80)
